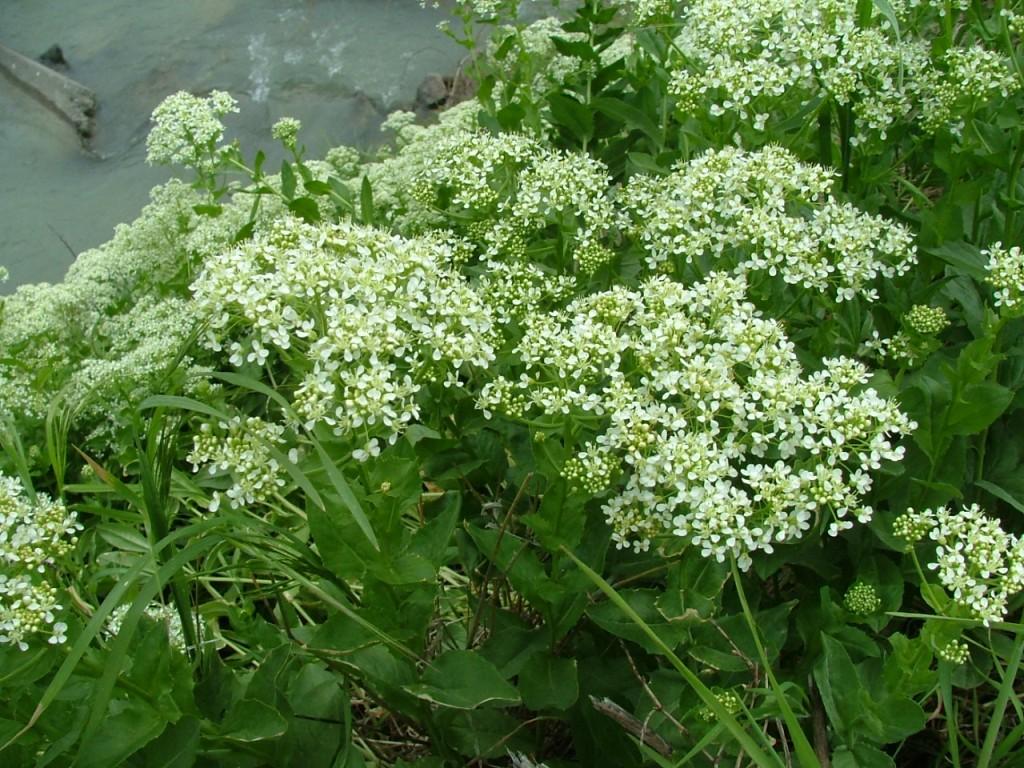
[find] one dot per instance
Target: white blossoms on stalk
(364, 319)
(978, 563)
(534, 46)
(765, 211)
(244, 448)
(646, 11)
(1006, 275)
(161, 614)
(514, 188)
(707, 428)
(34, 535)
(188, 128)
(746, 59)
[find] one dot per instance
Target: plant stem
(1005, 690)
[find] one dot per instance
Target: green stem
(804, 751)
(1005, 690)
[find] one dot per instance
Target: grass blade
(754, 752)
(345, 492)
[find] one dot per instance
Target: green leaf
(632, 117)
(212, 211)
(176, 747)
(184, 403)
(344, 491)
(694, 588)
(315, 187)
(560, 519)
(578, 48)
(966, 258)
(251, 720)
(576, 118)
(255, 385)
(287, 180)
(549, 682)
(127, 727)
(305, 208)
(464, 680)
(840, 686)
(366, 201)
(643, 602)
(1001, 493)
(977, 407)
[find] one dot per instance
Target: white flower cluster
(396, 178)
(702, 405)
(970, 76)
(286, 130)
(157, 612)
(979, 563)
(244, 448)
(646, 11)
(746, 58)
(187, 129)
(533, 46)
(513, 290)
(484, 10)
(81, 330)
(1006, 275)
(135, 350)
(34, 535)
(366, 318)
(740, 209)
(519, 187)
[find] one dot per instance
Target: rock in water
(432, 93)
(53, 57)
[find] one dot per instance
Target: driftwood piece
(72, 101)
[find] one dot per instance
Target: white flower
(187, 129)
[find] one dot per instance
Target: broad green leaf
(251, 720)
(305, 208)
(576, 118)
(549, 682)
(560, 519)
(343, 490)
(977, 407)
(464, 680)
(366, 201)
(176, 747)
(287, 180)
(1001, 493)
(127, 727)
(630, 116)
(644, 603)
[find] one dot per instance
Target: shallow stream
(338, 65)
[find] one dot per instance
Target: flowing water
(338, 65)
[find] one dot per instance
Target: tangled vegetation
(659, 406)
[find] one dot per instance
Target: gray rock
(53, 57)
(432, 93)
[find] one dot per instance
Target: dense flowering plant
(711, 431)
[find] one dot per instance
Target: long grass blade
(754, 752)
